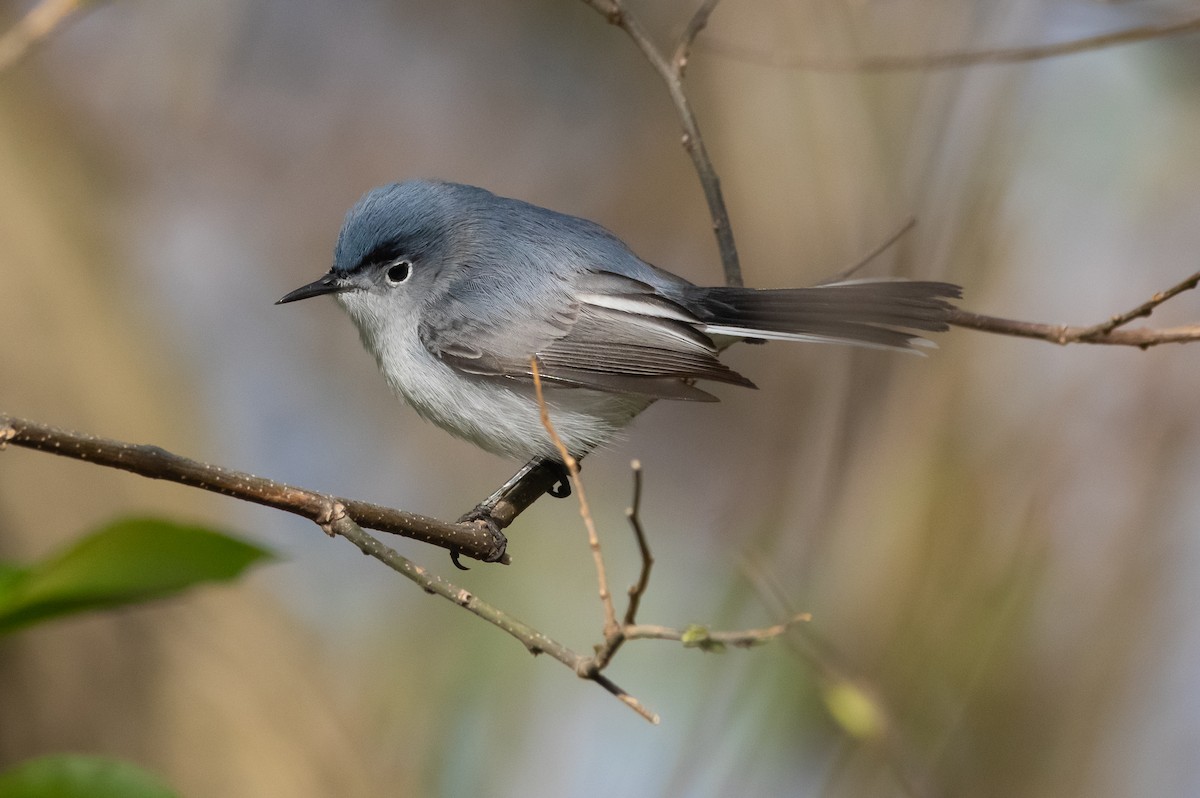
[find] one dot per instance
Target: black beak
(329, 284)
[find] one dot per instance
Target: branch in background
(478, 541)
(671, 71)
(42, 20)
(951, 60)
(846, 274)
(1109, 332)
(877, 720)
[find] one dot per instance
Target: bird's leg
(540, 475)
(516, 494)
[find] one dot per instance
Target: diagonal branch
(478, 541)
(1141, 311)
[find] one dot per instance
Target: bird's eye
(399, 271)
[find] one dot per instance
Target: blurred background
(997, 543)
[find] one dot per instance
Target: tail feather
(888, 314)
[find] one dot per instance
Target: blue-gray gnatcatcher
(454, 290)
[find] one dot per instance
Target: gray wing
(601, 330)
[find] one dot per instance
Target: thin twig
(671, 71)
(954, 59)
(626, 698)
(638, 589)
(846, 274)
(42, 20)
(474, 540)
(1064, 334)
(1143, 310)
(1109, 332)
(610, 613)
(616, 634)
(697, 23)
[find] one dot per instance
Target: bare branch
(1109, 332)
(41, 21)
(335, 516)
(952, 60)
(474, 540)
(671, 72)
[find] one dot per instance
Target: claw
(562, 488)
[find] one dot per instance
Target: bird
(455, 291)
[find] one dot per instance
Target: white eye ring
(398, 271)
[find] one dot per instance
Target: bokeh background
(998, 543)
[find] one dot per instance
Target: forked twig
(616, 634)
(1108, 332)
(671, 71)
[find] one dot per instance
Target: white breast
(496, 414)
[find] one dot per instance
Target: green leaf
(127, 562)
(78, 776)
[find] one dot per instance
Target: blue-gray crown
(411, 218)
